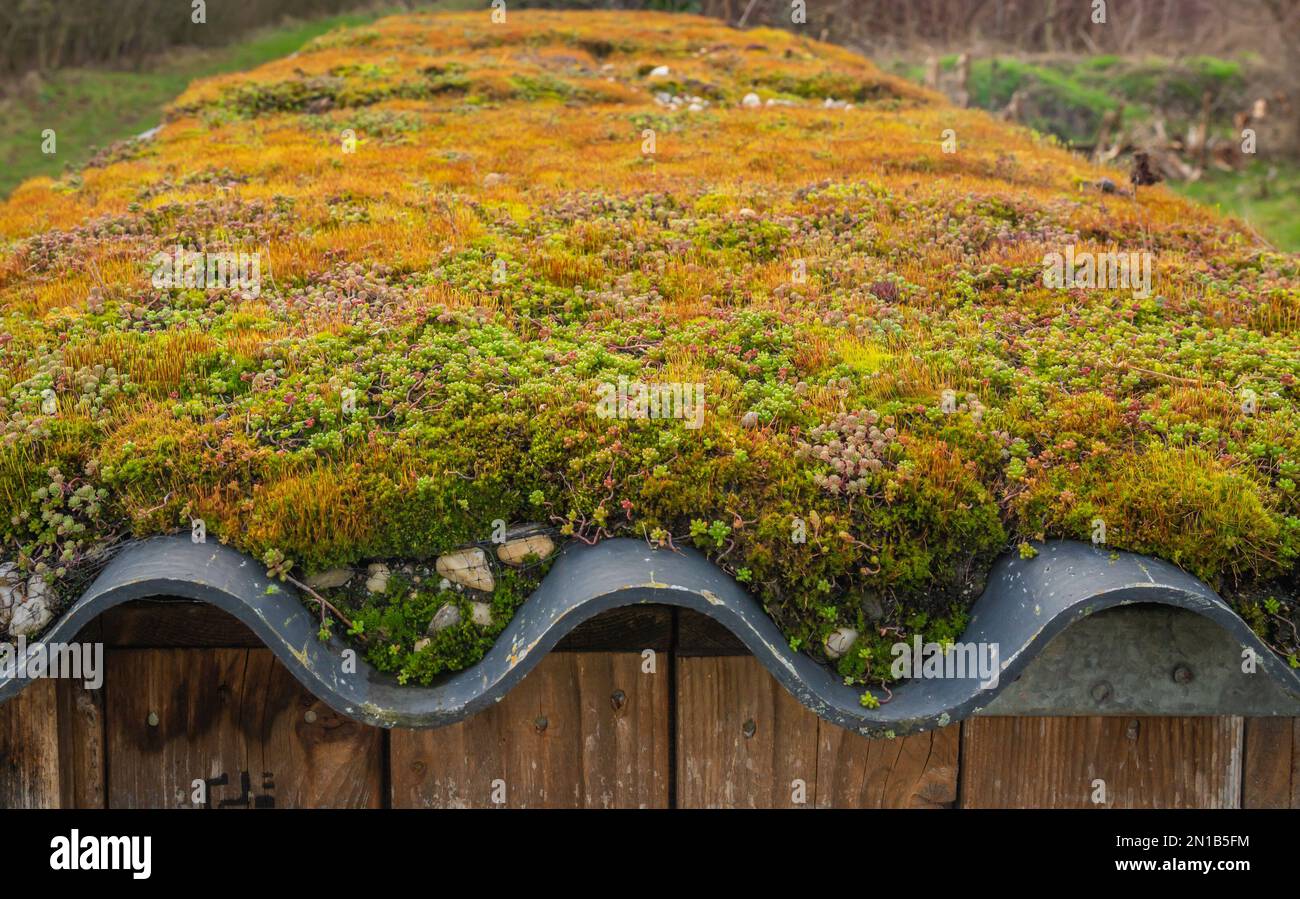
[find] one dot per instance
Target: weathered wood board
(582, 730)
(82, 757)
(1272, 775)
(585, 729)
(1069, 762)
(52, 747)
(919, 771)
(29, 748)
(236, 721)
(743, 741)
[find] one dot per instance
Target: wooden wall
(190, 695)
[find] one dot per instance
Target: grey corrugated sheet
(1026, 604)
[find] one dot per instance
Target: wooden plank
(52, 746)
(1143, 762)
(81, 745)
(29, 748)
(172, 717)
(315, 756)
(586, 730)
(919, 771)
(229, 718)
(1272, 765)
(742, 740)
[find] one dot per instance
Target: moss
(891, 395)
(823, 85)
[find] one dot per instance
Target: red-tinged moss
(458, 228)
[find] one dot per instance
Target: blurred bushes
(1268, 28)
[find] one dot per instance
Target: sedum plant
(640, 275)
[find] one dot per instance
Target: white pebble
(840, 641)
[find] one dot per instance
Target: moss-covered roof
(474, 230)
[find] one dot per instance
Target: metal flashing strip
(1027, 603)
